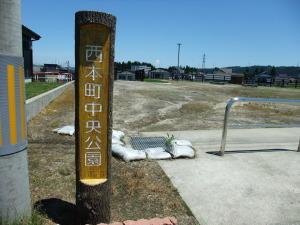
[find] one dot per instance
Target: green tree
(247, 73)
(273, 71)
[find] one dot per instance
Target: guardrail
(243, 99)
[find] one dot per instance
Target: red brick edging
(155, 221)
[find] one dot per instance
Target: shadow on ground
(57, 210)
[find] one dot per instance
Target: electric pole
(68, 66)
(203, 61)
(178, 57)
(14, 182)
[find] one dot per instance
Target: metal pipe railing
(243, 99)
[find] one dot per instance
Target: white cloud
(157, 63)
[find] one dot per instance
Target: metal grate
(142, 143)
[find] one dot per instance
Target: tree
(247, 74)
(273, 71)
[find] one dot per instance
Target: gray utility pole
(178, 58)
(14, 183)
(203, 61)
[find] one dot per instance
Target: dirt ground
(140, 189)
(140, 106)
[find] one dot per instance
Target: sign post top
(92, 17)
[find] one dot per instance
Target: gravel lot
(141, 106)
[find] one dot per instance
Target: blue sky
(230, 33)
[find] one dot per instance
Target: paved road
(244, 187)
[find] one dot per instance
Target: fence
(242, 99)
(217, 77)
(52, 77)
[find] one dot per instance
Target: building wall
(218, 77)
(125, 76)
(140, 67)
(27, 55)
(159, 75)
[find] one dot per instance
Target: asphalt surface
(257, 181)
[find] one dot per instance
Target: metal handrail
(243, 99)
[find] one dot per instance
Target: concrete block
(38, 103)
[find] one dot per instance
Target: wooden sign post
(94, 62)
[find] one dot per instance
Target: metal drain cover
(142, 143)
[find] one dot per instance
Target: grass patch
(195, 107)
(269, 109)
(265, 92)
(36, 88)
(155, 81)
(64, 171)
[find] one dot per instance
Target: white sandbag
(183, 151)
(116, 141)
(118, 134)
(157, 153)
(69, 130)
(127, 154)
(182, 143)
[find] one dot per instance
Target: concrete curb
(36, 104)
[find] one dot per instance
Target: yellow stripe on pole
(12, 104)
(22, 103)
(0, 133)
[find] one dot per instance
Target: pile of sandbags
(182, 148)
(118, 148)
(68, 130)
(177, 149)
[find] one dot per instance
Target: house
(52, 73)
(263, 78)
(159, 74)
(282, 79)
(219, 75)
(145, 68)
(126, 75)
(199, 76)
(225, 75)
(139, 75)
(237, 78)
(28, 36)
(176, 73)
(53, 68)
